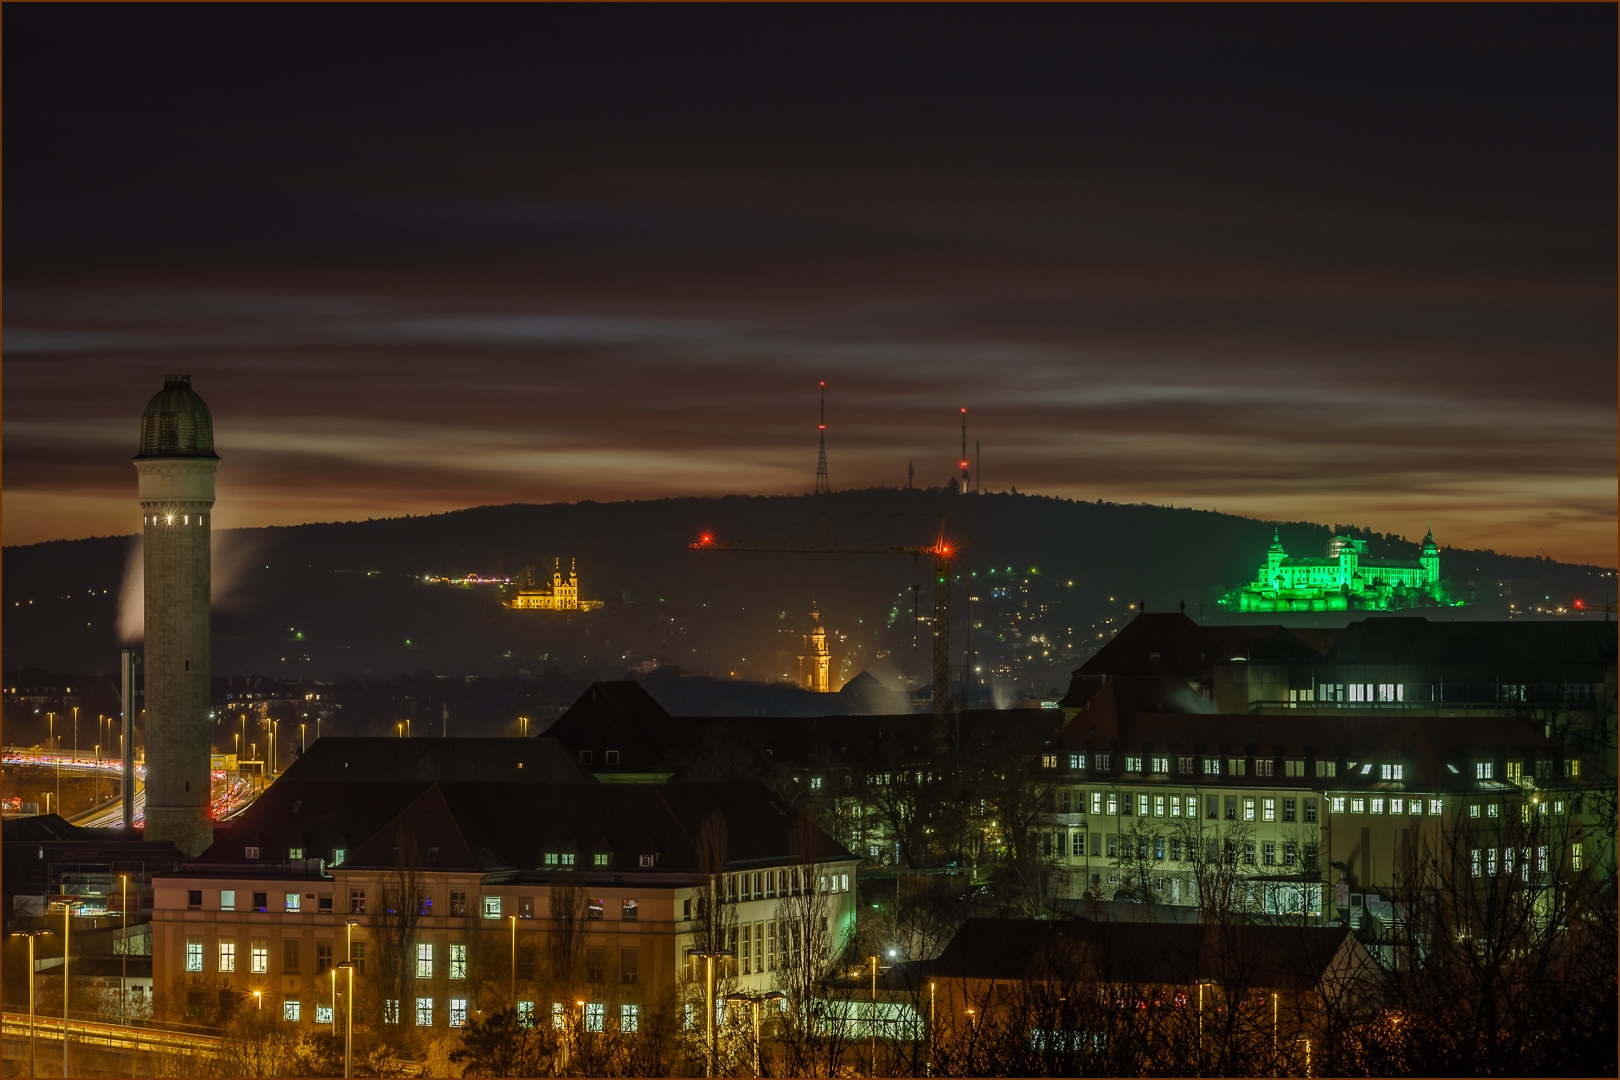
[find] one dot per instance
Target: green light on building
(1346, 580)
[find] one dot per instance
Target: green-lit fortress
(1346, 580)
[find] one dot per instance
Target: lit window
(294, 900)
(1483, 770)
(227, 900)
(458, 961)
(552, 858)
(1248, 808)
(1096, 803)
(1236, 766)
(629, 1019)
(323, 1014)
(1161, 765)
(1077, 761)
(227, 956)
(391, 1010)
(1395, 806)
(458, 1012)
(1142, 805)
(1575, 859)
(1133, 764)
(1493, 810)
(1490, 862)
(1175, 806)
(525, 1014)
(1473, 861)
(1389, 772)
(1113, 804)
(259, 957)
(1378, 806)
(424, 1012)
(338, 855)
(594, 1012)
(291, 1008)
(1268, 810)
(1327, 768)
(1048, 761)
(1572, 768)
(600, 858)
(492, 907)
(630, 910)
(815, 783)
(1541, 858)
(1212, 766)
(194, 961)
(1358, 806)
(1473, 810)
(1158, 806)
(559, 1019)
(424, 960)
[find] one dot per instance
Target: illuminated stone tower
(815, 667)
(176, 466)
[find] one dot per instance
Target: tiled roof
(541, 759)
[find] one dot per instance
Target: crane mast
(943, 554)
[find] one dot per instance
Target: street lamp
(123, 979)
(67, 906)
(348, 1017)
(756, 1000)
(513, 920)
(871, 1020)
(31, 935)
(708, 1003)
(258, 998)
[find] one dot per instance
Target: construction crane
(943, 553)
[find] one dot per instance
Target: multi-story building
(476, 881)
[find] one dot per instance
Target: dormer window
(1077, 761)
(601, 858)
(648, 860)
(1133, 764)
(585, 757)
(250, 853)
(1048, 761)
(1389, 772)
(612, 757)
(295, 853)
(1572, 768)
(1484, 770)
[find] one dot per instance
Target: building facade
(1345, 580)
(562, 596)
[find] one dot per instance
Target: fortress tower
(176, 466)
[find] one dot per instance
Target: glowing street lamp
(31, 935)
(756, 1000)
(67, 905)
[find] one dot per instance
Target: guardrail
(112, 1036)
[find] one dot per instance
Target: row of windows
(1188, 765)
(1396, 804)
(291, 956)
(1176, 850)
(1117, 804)
(292, 902)
(1485, 862)
(765, 884)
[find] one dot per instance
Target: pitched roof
(1175, 954)
(1415, 641)
(1165, 644)
(493, 827)
(534, 760)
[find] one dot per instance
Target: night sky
(1346, 263)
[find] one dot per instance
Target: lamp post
(301, 727)
(513, 920)
(930, 1028)
(708, 1007)
(51, 718)
(348, 1019)
(31, 935)
(258, 998)
(756, 1000)
(123, 978)
(871, 1019)
(67, 985)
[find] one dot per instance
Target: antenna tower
(967, 481)
(822, 486)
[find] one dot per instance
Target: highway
(231, 793)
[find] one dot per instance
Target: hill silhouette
(1053, 576)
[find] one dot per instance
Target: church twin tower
(176, 466)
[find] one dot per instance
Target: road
(232, 793)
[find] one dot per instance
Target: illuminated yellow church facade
(562, 596)
(815, 666)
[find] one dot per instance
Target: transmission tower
(822, 486)
(967, 481)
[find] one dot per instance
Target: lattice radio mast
(967, 481)
(822, 486)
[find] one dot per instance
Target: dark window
(289, 956)
(596, 963)
(426, 906)
(323, 957)
(1288, 809)
(1231, 808)
(357, 957)
(261, 901)
(584, 757)
(612, 757)
(357, 901)
(194, 898)
(1212, 806)
(1310, 809)
(627, 963)
(325, 903)
(458, 903)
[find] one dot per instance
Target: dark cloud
(1350, 264)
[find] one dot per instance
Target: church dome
(176, 423)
